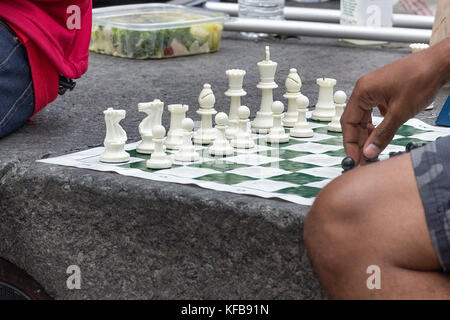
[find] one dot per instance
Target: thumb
(380, 137)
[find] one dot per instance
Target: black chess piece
(394, 154)
(411, 146)
(347, 164)
(372, 160)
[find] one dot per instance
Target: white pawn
(243, 138)
(339, 100)
(301, 128)
(277, 133)
(186, 152)
(221, 146)
(206, 134)
(159, 159)
(115, 138)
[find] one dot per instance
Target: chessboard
(295, 171)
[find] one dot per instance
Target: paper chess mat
(295, 171)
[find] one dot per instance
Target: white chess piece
(235, 92)
(175, 134)
(115, 138)
(417, 47)
(302, 128)
(154, 111)
(267, 68)
(186, 152)
(243, 138)
(221, 146)
(293, 85)
(277, 133)
(206, 134)
(159, 159)
(325, 109)
(339, 100)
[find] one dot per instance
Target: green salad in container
(155, 31)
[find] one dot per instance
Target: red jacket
(54, 46)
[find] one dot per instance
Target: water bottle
(260, 9)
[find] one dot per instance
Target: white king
(267, 68)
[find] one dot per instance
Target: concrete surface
(136, 238)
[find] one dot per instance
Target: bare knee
(331, 229)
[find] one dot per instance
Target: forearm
(441, 27)
(440, 57)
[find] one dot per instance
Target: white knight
(115, 138)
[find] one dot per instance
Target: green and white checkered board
(294, 171)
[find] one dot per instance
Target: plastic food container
(149, 31)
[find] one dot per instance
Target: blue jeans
(16, 86)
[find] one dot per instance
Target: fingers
(356, 122)
(381, 136)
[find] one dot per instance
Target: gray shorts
(432, 169)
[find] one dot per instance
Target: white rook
(175, 135)
(325, 109)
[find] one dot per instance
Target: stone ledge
(134, 238)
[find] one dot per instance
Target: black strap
(65, 84)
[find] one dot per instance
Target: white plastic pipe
(327, 30)
(328, 15)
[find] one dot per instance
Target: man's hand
(400, 90)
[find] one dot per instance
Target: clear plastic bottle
(261, 9)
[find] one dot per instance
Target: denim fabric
(16, 86)
(432, 169)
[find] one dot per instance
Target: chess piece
(175, 134)
(235, 92)
(221, 146)
(186, 152)
(347, 164)
(277, 133)
(293, 85)
(267, 68)
(302, 128)
(159, 159)
(243, 138)
(411, 146)
(394, 154)
(339, 100)
(115, 138)
(417, 47)
(371, 160)
(325, 109)
(154, 112)
(206, 134)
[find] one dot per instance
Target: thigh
(381, 214)
(16, 87)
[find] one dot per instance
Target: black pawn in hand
(347, 164)
(411, 146)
